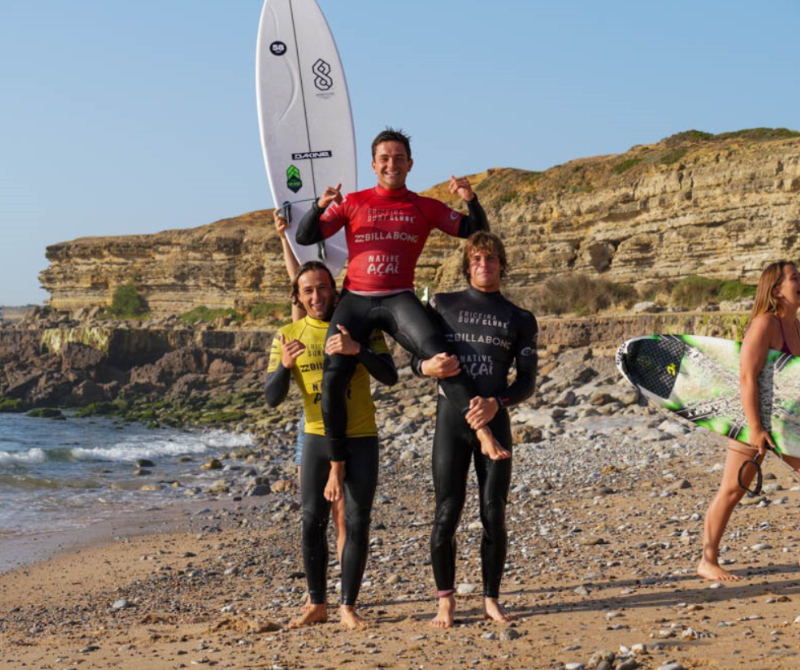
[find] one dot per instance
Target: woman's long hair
(771, 278)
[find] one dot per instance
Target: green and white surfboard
(697, 378)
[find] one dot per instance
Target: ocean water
(56, 475)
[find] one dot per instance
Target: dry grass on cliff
(694, 291)
(581, 295)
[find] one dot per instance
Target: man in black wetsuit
(488, 334)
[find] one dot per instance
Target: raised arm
(310, 231)
(289, 259)
(476, 218)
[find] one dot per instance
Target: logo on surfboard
(306, 155)
(293, 181)
(277, 48)
(323, 80)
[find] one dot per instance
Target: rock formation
(718, 206)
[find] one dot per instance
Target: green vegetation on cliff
(695, 291)
(127, 302)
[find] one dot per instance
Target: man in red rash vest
(386, 228)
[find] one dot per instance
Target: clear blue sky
(120, 118)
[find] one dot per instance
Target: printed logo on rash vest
(477, 365)
(375, 214)
(383, 264)
(293, 181)
(381, 235)
(312, 358)
(472, 338)
(481, 319)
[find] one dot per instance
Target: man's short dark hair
(392, 135)
(309, 266)
(488, 243)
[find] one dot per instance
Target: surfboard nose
(621, 361)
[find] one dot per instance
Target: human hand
(330, 195)
(290, 351)
(760, 438)
(481, 411)
(335, 486)
(441, 366)
(342, 344)
(281, 224)
(462, 187)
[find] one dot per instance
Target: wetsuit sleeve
(277, 385)
(278, 377)
(526, 359)
(319, 224)
(475, 220)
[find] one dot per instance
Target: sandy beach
(605, 526)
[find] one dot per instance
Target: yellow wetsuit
(307, 373)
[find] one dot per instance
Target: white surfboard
(304, 116)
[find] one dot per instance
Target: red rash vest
(385, 232)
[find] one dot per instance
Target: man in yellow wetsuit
(298, 351)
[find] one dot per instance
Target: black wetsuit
(361, 480)
(360, 452)
(488, 333)
(400, 314)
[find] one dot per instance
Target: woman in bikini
(773, 325)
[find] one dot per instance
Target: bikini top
(785, 347)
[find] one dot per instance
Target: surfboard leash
(759, 477)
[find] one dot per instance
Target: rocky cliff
(230, 263)
(719, 206)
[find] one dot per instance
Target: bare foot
(496, 612)
(445, 616)
(351, 619)
(307, 604)
(314, 614)
(714, 572)
(491, 447)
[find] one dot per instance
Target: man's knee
(356, 523)
(448, 514)
(314, 527)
